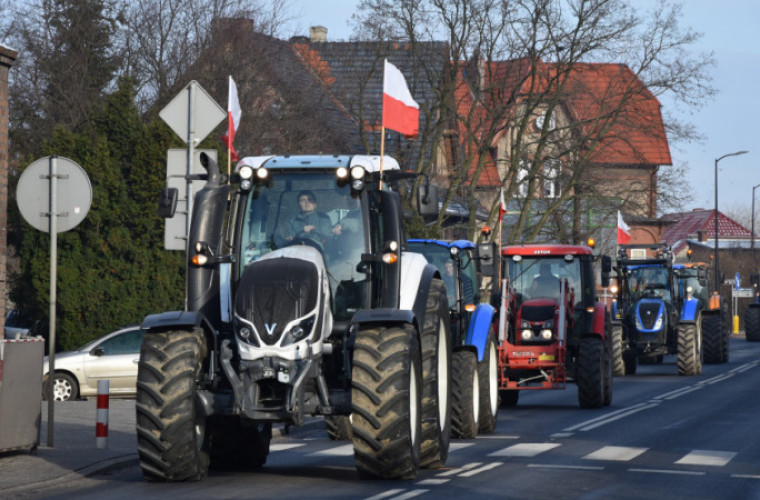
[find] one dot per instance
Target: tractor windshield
(533, 278)
(314, 208)
(690, 278)
(649, 281)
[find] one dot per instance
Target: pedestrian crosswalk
(607, 453)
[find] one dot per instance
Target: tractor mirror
(486, 259)
(427, 199)
(167, 204)
(606, 270)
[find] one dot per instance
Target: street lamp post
(716, 210)
(752, 236)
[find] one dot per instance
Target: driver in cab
(308, 223)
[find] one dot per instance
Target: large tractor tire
(171, 432)
(752, 323)
(436, 379)
(689, 350)
(235, 444)
(488, 382)
(386, 403)
(591, 373)
(465, 391)
(338, 427)
(618, 365)
(607, 374)
(712, 336)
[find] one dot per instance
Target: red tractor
(552, 328)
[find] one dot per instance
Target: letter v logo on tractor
(270, 328)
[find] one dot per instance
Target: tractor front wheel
(464, 394)
(590, 378)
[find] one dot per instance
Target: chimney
(317, 34)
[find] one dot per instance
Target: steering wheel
(308, 241)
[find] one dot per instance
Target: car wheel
(65, 388)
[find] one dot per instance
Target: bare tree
(514, 62)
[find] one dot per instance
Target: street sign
(73, 194)
(192, 114)
(175, 232)
(743, 293)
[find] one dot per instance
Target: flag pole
(382, 153)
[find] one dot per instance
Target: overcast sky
(731, 31)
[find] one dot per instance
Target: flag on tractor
(233, 118)
(400, 111)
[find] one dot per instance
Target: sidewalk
(74, 455)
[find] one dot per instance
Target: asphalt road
(664, 436)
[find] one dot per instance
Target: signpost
(54, 195)
(192, 115)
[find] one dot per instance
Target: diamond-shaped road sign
(192, 113)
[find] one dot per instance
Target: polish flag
(233, 119)
(624, 231)
(502, 206)
(400, 112)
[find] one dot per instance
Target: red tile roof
(688, 224)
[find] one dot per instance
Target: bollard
(736, 324)
(101, 427)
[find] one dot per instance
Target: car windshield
(532, 278)
(313, 209)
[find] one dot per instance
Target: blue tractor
(651, 318)
(475, 378)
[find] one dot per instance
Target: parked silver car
(113, 357)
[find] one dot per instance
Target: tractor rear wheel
(618, 365)
(712, 336)
(171, 431)
(436, 379)
(752, 323)
(591, 373)
(689, 350)
(386, 390)
(488, 381)
(464, 394)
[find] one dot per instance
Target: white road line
(410, 494)
(616, 453)
(339, 451)
(459, 446)
(385, 494)
(524, 450)
(674, 394)
(603, 417)
(561, 434)
(618, 417)
(744, 367)
(494, 436)
(686, 390)
(285, 446)
(746, 476)
(707, 457)
(454, 472)
(573, 467)
(486, 467)
(432, 482)
(716, 379)
(667, 471)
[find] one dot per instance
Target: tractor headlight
(262, 173)
(658, 323)
(527, 334)
(246, 335)
(246, 172)
(357, 178)
(546, 334)
(299, 331)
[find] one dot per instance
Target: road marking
(573, 467)
(493, 436)
(561, 434)
(716, 379)
(616, 453)
(667, 471)
(677, 393)
(390, 493)
(486, 467)
(410, 494)
(285, 446)
(459, 446)
(744, 367)
(604, 417)
(432, 482)
(339, 451)
(746, 476)
(524, 450)
(454, 472)
(707, 457)
(385, 494)
(628, 413)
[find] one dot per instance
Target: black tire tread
(464, 421)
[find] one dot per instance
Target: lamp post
(752, 236)
(716, 210)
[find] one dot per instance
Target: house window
(523, 183)
(551, 178)
(638, 253)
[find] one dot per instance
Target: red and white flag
(624, 231)
(233, 119)
(400, 112)
(502, 205)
